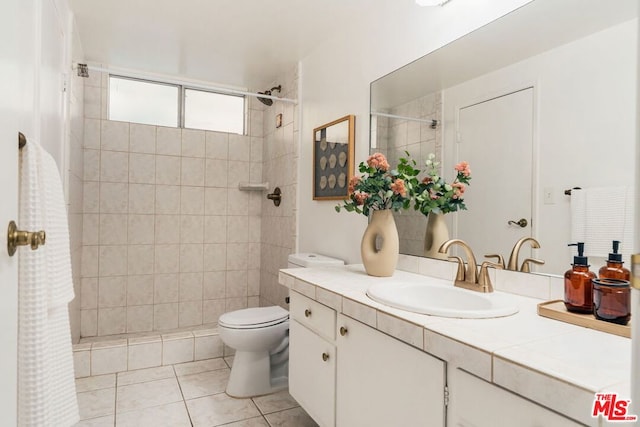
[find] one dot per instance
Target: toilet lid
(258, 317)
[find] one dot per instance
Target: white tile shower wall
(417, 138)
(169, 240)
(279, 168)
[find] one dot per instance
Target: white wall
(335, 82)
(586, 105)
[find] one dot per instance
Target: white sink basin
(440, 298)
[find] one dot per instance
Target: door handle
(521, 222)
(17, 238)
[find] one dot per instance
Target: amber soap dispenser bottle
(578, 289)
(614, 268)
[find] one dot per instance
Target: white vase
(435, 235)
(380, 259)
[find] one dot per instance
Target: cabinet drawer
(315, 316)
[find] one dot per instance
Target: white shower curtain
(46, 385)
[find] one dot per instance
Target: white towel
(601, 215)
(46, 386)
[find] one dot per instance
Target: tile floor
(187, 394)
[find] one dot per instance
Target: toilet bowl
(260, 337)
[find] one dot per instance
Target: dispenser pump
(615, 256)
(580, 259)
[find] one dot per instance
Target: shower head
(266, 101)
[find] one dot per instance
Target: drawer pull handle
(325, 356)
(343, 330)
(307, 313)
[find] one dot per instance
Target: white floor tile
(275, 402)
(200, 366)
(96, 403)
(148, 394)
(97, 382)
(204, 383)
(229, 361)
(251, 422)
(296, 417)
(97, 422)
(220, 409)
(180, 395)
(171, 415)
(144, 375)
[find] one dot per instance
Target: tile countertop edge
(505, 365)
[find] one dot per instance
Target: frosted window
(145, 102)
(213, 111)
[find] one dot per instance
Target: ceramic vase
(435, 235)
(380, 244)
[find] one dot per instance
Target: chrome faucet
(513, 258)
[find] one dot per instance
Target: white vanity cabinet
(476, 403)
(312, 358)
(384, 382)
(347, 374)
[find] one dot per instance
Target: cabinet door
(476, 403)
(384, 382)
(312, 373)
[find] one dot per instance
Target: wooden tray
(556, 310)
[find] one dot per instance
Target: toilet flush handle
(307, 313)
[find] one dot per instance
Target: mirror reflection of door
(497, 132)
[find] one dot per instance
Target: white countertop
(559, 365)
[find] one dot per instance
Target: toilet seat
(254, 318)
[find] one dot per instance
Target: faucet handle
(484, 280)
(498, 257)
(525, 264)
(460, 273)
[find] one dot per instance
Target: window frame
(183, 92)
(182, 88)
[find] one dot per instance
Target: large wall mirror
(539, 101)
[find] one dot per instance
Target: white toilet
(260, 337)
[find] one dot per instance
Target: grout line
(184, 401)
(115, 401)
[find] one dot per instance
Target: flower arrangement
(433, 194)
(380, 187)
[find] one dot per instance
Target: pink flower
(398, 187)
(360, 197)
(458, 189)
(353, 182)
(433, 194)
(426, 180)
(378, 161)
(463, 168)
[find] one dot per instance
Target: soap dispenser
(614, 268)
(578, 289)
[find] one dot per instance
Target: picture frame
(333, 158)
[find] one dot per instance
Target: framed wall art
(333, 153)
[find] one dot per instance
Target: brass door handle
(307, 313)
(343, 330)
(17, 238)
(325, 357)
(521, 222)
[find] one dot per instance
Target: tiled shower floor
(187, 394)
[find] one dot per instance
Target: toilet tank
(309, 260)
